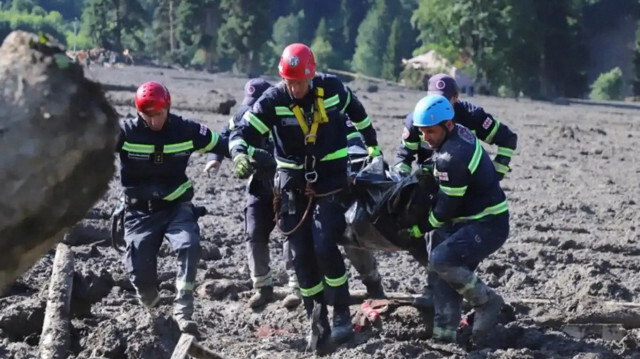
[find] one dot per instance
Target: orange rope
(310, 194)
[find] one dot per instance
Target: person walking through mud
(154, 150)
(473, 117)
(469, 221)
(259, 215)
(304, 112)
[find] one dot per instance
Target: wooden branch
(55, 340)
(187, 345)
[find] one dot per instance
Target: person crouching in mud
(154, 150)
(469, 221)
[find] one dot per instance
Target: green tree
(243, 32)
(108, 21)
(322, 48)
(391, 65)
(636, 64)
(608, 86)
(286, 30)
(372, 39)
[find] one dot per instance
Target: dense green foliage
(531, 47)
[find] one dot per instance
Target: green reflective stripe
(505, 151)
(232, 124)
(255, 122)
(346, 103)
(411, 145)
(251, 150)
(237, 142)
(501, 168)
(137, 147)
(331, 101)
(184, 286)
(439, 332)
(284, 111)
(309, 292)
(177, 147)
(289, 165)
(492, 210)
(362, 124)
(353, 135)
(178, 191)
(336, 282)
(475, 160)
(415, 231)
(496, 125)
(434, 222)
(453, 191)
(341, 153)
(214, 141)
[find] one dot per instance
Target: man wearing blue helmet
(481, 123)
(468, 222)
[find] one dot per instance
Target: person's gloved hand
(418, 230)
(212, 166)
(243, 166)
(374, 151)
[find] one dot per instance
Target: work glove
(374, 151)
(243, 166)
(418, 230)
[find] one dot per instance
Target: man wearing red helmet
(154, 150)
(305, 113)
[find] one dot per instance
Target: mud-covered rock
(56, 130)
(23, 319)
(218, 289)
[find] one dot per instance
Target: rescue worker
(259, 209)
(304, 114)
(468, 222)
(154, 150)
(485, 127)
(259, 218)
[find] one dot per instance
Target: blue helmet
(432, 110)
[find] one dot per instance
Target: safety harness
(310, 173)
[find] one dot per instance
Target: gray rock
(57, 137)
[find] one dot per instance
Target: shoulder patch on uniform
(466, 135)
(487, 123)
(405, 133)
(203, 130)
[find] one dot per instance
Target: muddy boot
(444, 335)
(149, 299)
(319, 335)
(342, 327)
(292, 300)
(263, 296)
(375, 289)
(486, 313)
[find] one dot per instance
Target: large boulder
(57, 139)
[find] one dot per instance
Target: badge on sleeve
(203, 130)
(487, 123)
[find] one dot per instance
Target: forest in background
(535, 48)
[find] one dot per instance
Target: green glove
(402, 167)
(243, 166)
(374, 151)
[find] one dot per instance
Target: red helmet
(297, 63)
(152, 97)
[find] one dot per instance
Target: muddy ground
(573, 197)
